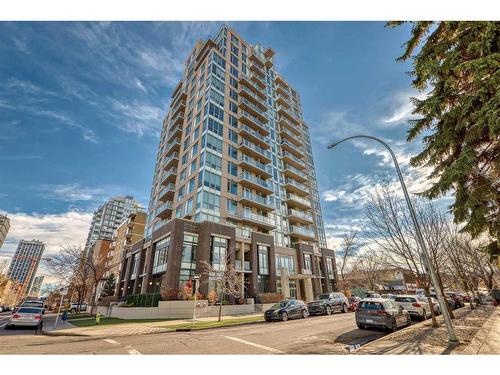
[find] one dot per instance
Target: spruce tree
(109, 286)
(458, 63)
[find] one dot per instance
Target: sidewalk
(128, 329)
(478, 331)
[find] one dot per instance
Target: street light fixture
(452, 337)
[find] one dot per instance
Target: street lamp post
(452, 337)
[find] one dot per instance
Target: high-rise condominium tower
(109, 216)
(4, 228)
(234, 177)
(25, 263)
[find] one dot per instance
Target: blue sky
(82, 104)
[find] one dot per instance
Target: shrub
(186, 293)
(212, 297)
(270, 297)
(144, 300)
(171, 295)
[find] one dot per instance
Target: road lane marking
(255, 345)
(131, 350)
(111, 341)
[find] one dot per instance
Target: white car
(414, 305)
(26, 317)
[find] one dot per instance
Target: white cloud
(335, 125)
(73, 192)
(138, 118)
(402, 108)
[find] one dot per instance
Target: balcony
(245, 80)
(167, 193)
(306, 271)
(176, 131)
(258, 80)
(253, 122)
(255, 151)
(293, 200)
(252, 96)
(178, 119)
(282, 100)
(256, 60)
(164, 211)
(286, 134)
(256, 219)
(255, 166)
(169, 176)
(284, 122)
(293, 160)
(254, 200)
(253, 182)
(254, 136)
(300, 232)
(173, 146)
(253, 109)
(171, 161)
(179, 106)
(283, 112)
(257, 70)
(295, 187)
(295, 173)
(243, 233)
(242, 266)
(292, 148)
(297, 216)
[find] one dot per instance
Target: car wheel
(8, 326)
(394, 325)
(361, 326)
(345, 308)
(72, 311)
(284, 317)
(305, 314)
(328, 310)
(408, 321)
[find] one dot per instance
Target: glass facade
(188, 260)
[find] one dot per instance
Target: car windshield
(368, 305)
(32, 304)
(405, 299)
(29, 310)
(323, 296)
(279, 305)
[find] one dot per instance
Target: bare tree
(368, 266)
(346, 258)
(225, 278)
(390, 227)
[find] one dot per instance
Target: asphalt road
(314, 335)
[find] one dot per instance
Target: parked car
(373, 295)
(388, 296)
(326, 303)
(435, 305)
(26, 317)
(34, 303)
(353, 303)
(449, 301)
(75, 307)
(415, 305)
(287, 309)
(381, 313)
(458, 301)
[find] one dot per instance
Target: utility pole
(452, 337)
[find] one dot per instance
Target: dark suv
(287, 309)
(327, 303)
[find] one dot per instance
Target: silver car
(26, 317)
(381, 313)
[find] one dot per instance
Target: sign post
(196, 279)
(63, 292)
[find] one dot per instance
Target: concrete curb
(478, 340)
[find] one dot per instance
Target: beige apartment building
(4, 228)
(234, 177)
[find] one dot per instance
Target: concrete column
(285, 286)
(127, 276)
(308, 290)
(149, 267)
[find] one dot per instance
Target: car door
(291, 309)
(335, 301)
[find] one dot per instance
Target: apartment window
(186, 143)
(233, 82)
(232, 151)
(213, 143)
(263, 252)
(212, 180)
(307, 262)
(232, 187)
(192, 167)
(215, 111)
(233, 94)
(194, 150)
(211, 160)
(196, 133)
(231, 206)
(234, 71)
(234, 39)
(214, 126)
(191, 185)
(180, 193)
(189, 206)
(232, 168)
(182, 176)
(160, 255)
(233, 136)
(219, 60)
(329, 266)
(218, 252)
(218, 72)
(216, 97)
(217, 83)
(188, 260)
(233, 107)
(211, 201)
(285, 261)
(234, 60)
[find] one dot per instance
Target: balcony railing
(253, 120)
(243, 233)
(167, 206)
(252, 216)
(252, 94)
(257, 149)
(298, 185)
(265, 201)
(242, 266)
(296, 198)
(170, 188)
(301, 214)
(296, 171)
(254, 133)
(303, 231)
(306, 271)
(257, 164)
(256, 180)
(170, 159)
(168, 174)
(294, 158)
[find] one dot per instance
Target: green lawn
(107, 321)
(212, 324)
(78, 316)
